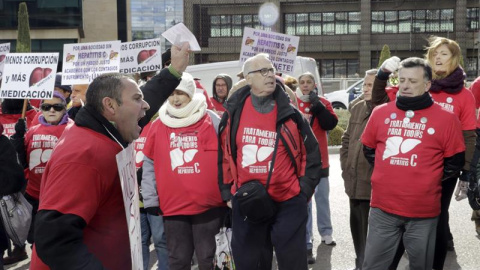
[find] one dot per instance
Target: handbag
(252, 198)
(16, 217)
(223, 253)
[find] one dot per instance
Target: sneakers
(18, 254)
(328, 240)
(310, 258)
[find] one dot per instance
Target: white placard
(178, 34)
(29, 75)
(141, 56)
(4, 50)
(83, 62)
(128, 179)
(281, 48)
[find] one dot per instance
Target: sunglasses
(57, 107)
(263, 71)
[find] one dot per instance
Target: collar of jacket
(284, 109)
(89, 118)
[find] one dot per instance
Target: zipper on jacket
(290, 136)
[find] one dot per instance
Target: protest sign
(128, 179)
(83, 62)
(140, 56)
(29, 75)
(281, 48)
(4, 50)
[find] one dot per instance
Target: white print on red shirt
(259, 146)
(41, 146)
(184, 148)
(139, 145)
(447, 106)
(396, 144)
(8, 129)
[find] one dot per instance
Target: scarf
(451, 84)
(414, 103)
(301, 96)
(186, 116)
(63, 121)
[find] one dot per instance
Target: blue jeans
(322, 203)
(152, 226)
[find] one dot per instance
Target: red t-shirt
(475, 89)
(9, 120)
(185, 162)
(82, 179)
(320, 133)
(462, 104)
(39, 143)
(218, 106)
(139, 145)
(409, 158)
(255, 145)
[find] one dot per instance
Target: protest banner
(281, 48)
(29, 75)
(83, 62)
(4, 50)
(140, 56)
(128, 179)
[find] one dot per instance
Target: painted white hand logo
(178, 158)
(251, 154)
(396, 144)
(38, 156)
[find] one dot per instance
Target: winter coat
(356, 171)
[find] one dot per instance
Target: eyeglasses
(263, 71)
(57, 107)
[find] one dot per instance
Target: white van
(207, 72)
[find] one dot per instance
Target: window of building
(339, 68)
(43, 13)
(472, 19)
(416, 21)
(326, 23)
(471, 67)
(232, 25)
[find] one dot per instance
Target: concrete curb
(334, 149)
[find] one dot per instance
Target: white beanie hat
(187, 84)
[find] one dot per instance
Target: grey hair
(106, 85)
(248, 65)
(372, 71)
(308, 73)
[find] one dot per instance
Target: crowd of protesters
(197, 157)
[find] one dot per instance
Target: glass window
(446, 20)
(354, 22)
(302, 24)
(328, 23)
(214, 26)
(404, 21)
(471, 67)
(237, 29)
(315, 24)
(378, 22)
(353, 68)
(472, 19)
(225, 28)
(391, 21)
(327, 69)
(419, 21)
(341, 23)
(290, 24)
(432, 20)
(340, 68)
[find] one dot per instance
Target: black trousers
(359, 210)
(286, 232)
(443, 229)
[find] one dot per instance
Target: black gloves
(317, 106)
(20, 128)
(313, 98)
(154, 211)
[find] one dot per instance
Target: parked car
(340, 99)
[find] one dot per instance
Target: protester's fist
(390, 65)
(461, 190)
(313, 98)
(180, 57)
(20, 127)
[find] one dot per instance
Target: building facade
(344, 36)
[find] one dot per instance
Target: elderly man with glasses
(264, 138)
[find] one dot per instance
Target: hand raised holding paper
(180, 57)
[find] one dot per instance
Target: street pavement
(342, 256)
